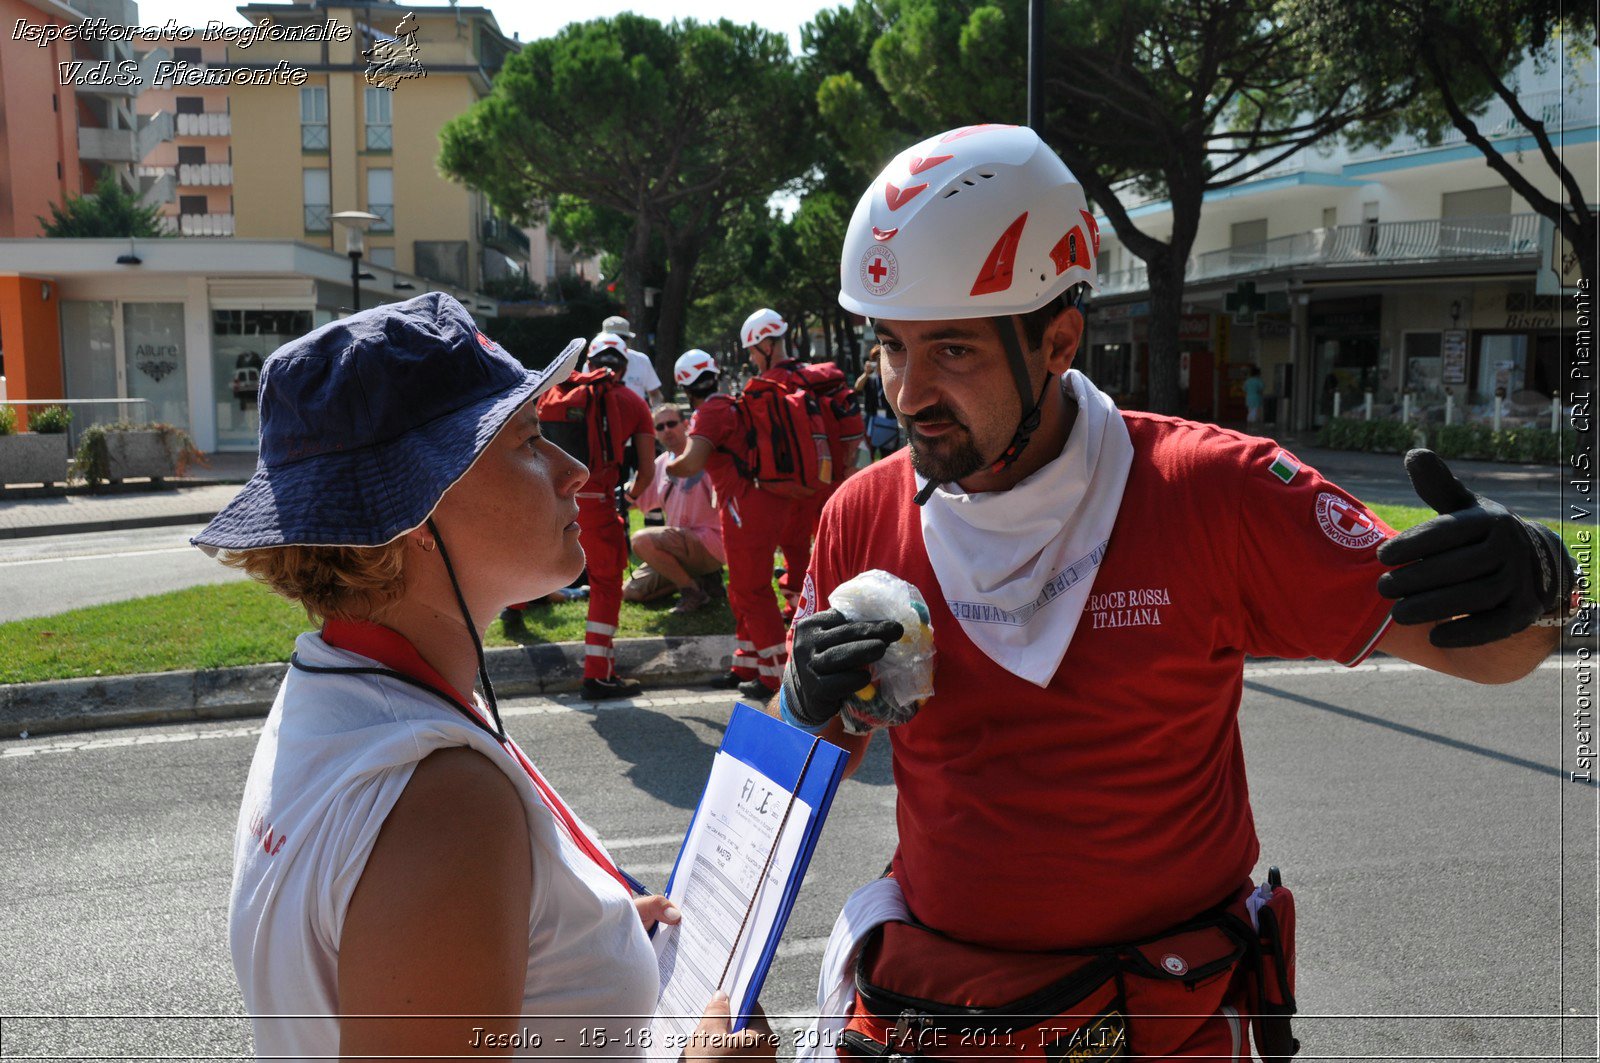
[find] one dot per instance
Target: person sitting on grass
(685, 553)
(406, 881)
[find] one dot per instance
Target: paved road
(51, 574)
(1445, 869)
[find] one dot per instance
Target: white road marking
(617, 844)
(97, 557)
(564, 705)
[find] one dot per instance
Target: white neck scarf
(1016, 566)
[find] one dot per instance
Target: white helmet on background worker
(762, 325)
(692, 367)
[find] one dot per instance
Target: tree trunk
(1166, 307)
(827, 334)
(801, 336)
(635, 260)
(682, 258)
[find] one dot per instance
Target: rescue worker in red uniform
(1095, 579)
(752, 521)
(762, 335)
(611, 415)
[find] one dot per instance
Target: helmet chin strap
(477, 644)
(1033, 404)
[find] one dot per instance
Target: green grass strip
(221, 625)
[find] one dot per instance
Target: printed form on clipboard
(740, 869)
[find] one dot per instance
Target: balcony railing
(499, 231)
(209, 124)
(317, 218)
(1493, 236)
(1559, 110)
(205, 224)
(193, 175)
(385, 213)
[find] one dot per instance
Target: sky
(541, 18)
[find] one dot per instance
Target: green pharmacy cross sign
(1243, 303)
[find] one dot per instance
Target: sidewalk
(1531, 490)
(194, 499)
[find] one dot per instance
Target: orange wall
(38, 126)
(30, 334)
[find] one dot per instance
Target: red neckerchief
(394, 651)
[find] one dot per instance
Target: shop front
(1345, 350)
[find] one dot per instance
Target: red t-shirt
(717, 421)
(1112, 804)
(634, 420)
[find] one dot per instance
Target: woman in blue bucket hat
(406, 881)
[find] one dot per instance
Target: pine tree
(110, 210)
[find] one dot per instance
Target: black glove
(1477, 560)
(829, 661)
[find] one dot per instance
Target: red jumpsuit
(752, 522)
(603, 533)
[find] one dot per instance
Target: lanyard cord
(477, 644)
(755, 894)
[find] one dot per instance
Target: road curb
(248, 691)
(120, 524)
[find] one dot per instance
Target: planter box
(133, 454)
(33, 458)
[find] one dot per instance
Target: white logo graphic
(1174, 964)
(879, 270)
(1345, 522)
(808, 599)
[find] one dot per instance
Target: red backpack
(786, 439)
(840, 409)
(581, 415)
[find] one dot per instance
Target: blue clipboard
(778, 751)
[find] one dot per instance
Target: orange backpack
(786, 440)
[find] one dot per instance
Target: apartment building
(1410, 272)
(338, 142)
(189, 176)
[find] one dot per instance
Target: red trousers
(603, 533)
(795, 542)
(751, 527)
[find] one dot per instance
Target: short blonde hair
(329, 582)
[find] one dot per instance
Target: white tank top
(334, 757)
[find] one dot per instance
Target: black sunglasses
(664, 425)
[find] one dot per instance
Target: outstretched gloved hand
(1477, 565)
(829, 661)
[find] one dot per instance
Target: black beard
(957, 458)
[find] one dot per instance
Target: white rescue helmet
(692, 365)
(608, 341)
(981, 221)
(762, 325)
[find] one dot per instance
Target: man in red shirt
(1095, 580)
(602, 530)
(752, 520)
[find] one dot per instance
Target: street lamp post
(355, 224)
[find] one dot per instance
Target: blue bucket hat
(368, 420)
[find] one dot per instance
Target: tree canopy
(1450, 59)
(1143, 99)
(668, 129)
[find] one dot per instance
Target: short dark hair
(1035, 322)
